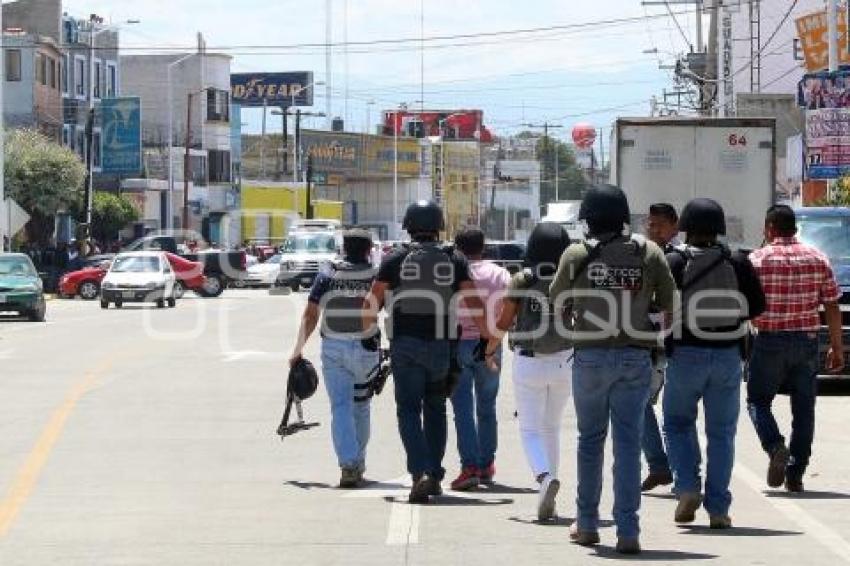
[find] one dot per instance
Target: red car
(86, 282)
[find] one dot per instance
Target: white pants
(542, 386)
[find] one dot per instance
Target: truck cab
(828, 230)
(309, 246)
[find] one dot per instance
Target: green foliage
(111, 213)
(42, 177)
(571, 179)
(840, 194)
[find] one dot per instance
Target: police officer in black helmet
(420, 287)
(720, 291)
(348, 356)
(611, 280)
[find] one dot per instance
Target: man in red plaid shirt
(797, 279)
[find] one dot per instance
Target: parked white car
(139, 277)
(263, 274)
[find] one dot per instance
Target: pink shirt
(491, 281)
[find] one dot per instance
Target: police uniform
(611, 280)
(346, 363)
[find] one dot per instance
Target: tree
(43, 177)
(111, 213)
(840, 194)
(571, 180)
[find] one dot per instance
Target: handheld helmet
(303, 380)
(605, 208)
(703, 216)
(424, 216)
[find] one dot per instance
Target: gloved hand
(373, 343)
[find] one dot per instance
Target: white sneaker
(546, 498)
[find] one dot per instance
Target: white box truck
(731, 160)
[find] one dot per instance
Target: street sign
(121, 140)
(17, 217)
(320, 178)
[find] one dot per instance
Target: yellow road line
(29, 472)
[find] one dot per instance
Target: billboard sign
(272, 89)
(813, 31)
(827, 143)
(121, 137)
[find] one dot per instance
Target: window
(67, 140)
(98, 78)
(13, 65)
(81, 143)
(80, 76)
(63, 69)
(41, 69)
(95, 150)
(218, 105)
(111, 80)
(51, 72)
(219, 164)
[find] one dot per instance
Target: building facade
(31, 75)
(199, 118)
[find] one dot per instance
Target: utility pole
(93, 19)
(296, 167)
(551, 148)
(263, 142)
(4, 214)
(187, 168)
(832, 21)
(309, 190)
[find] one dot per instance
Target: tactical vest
(539, 328)
(612, 280)
(343, 302)
(709, 283)
(426, 282)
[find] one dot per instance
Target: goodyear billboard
(272, 89)
(121, 137)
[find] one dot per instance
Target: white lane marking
(403, 523)
(807, 523)
(244, 354)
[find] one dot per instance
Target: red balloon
(584, 136)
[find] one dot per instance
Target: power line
(769, 39)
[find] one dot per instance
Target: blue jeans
(344, 364)
(419, 369)
(787, 360)
(713, 375)
(651, 441)
(610, 384)
(474, 400)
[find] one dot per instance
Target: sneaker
(720, 522)
(468, 479)
(628, 546)
(794, 484)
(686, 510)
(583, 538)
(546, 498)
(420, 492)
(656, 479)
(485, 476)
(778, 465)
(350, 477)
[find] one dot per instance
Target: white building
(203, 79)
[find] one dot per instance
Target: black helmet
(546, 244)
(703, 216)
(424, 216)
(605, 208)
(303, 380)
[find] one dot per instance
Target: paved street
(146, 436)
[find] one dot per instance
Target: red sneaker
(486, 475)
(467, 479)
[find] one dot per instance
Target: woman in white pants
(542, 359)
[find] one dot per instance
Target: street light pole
(169, 219)
(297, 138)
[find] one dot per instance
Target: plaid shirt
(796, 279)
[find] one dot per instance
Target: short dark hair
(665, 210)
(357, 244)
(470, 240)
(782, 218)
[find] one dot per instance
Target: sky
(585, 73)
